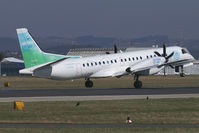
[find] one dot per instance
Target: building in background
(84, 52)
(188, 70)
(10, 66)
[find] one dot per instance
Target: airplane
(63, 67)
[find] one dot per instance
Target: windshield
(184, 51)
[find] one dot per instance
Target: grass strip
(141, 111)
(123, 82)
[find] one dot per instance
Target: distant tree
(1, 56)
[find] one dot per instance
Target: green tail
(32, 54)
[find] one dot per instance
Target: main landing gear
(88, 83)
(137, 83)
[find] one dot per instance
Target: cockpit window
(184, 51)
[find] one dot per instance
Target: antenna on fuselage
(115, 48)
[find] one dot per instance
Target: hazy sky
(108, 18)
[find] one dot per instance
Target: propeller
(164, 54)
(115, 48)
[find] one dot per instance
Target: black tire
(138, 84)
(89, 84)
(182, 75)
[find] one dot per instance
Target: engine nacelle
(155, 70)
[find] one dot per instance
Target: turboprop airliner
(62, 67)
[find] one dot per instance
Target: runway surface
(97, 92)
(65, 125)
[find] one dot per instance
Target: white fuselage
(109, 64)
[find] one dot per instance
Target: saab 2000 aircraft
(136, 63)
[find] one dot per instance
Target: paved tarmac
(65, 125)
(97, 92)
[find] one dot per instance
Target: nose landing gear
(182, 74)
(88, 83)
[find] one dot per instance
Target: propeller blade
(115, 48)
(171, 66)
(169, 56)
(164, 50)
(157, 53)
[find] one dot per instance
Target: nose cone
(191, 57)
(163, 60)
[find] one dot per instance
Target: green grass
(123, 82)
(152, 111)
(99, 130)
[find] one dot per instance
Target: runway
(65, 125)
(96, 94)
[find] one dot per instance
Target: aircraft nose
(191, 57)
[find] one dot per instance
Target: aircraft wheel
(182, 75)
(138, 84)
(89, 83)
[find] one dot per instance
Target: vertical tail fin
(31, 53)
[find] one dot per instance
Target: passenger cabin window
(115, 61)
(83, 65)
(133, 58)
(125, 59)
(99, 63)
(91, 64)
(147, 56)
(136, 58)
(96, 63)
(87, 64)
(151, 56)
(121, 60)
(111, 61)
(141, 57)
(184, 51)
(129, 59)
(103, 62)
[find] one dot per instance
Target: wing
(179, 63)
(147, 67)
(110, 72)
